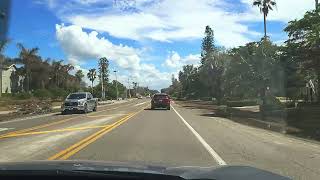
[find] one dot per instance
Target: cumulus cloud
(174, 20)
(175, 61)
(81, 46)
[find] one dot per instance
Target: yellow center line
(53, 123)
(56, 130)
(66, 153)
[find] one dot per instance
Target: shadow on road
(149, 109)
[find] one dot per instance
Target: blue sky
(145, 40)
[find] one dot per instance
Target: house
(6, 78)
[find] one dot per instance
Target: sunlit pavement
(130, 131)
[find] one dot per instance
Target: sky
(145, 41)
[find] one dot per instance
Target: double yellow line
(11, 134)
(66, 153)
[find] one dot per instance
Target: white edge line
(213, 153)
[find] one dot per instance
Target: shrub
(42, 94)
(59, 93)
(23, 95)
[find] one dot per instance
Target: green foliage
(42, 94)
(79, 75)
(23, 95)
(58, 93)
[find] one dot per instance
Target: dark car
(160, 101)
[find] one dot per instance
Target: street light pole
(115, 72)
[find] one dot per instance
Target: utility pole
(115, 72)
(128, 88)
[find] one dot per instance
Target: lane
(45, 142)
(238, 144)
(152, 136)
(55, 118)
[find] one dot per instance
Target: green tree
(211, 69)
(79, 75)
(92, 75)
(265, 6)
(208, 48)
(103, 75)
(304, 37)
(27, 56)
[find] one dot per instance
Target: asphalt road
(182, 136)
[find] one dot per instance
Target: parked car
(160, 100)
(80, 101)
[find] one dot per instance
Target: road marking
(53, 131)
(213, 153)
(5, 129)
(66, 153)
(140, 104)
(55, 123)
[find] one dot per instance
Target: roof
(10, 66)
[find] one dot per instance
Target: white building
(6, 80)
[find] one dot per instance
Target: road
(130, 131)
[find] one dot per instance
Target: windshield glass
(76, 96)
(201, 83)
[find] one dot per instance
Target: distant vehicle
(80, 101)
(160, 100)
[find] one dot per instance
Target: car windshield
(76, 96)
(174, 83)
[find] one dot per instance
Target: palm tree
(92, 75)
(3, 45)
(265, 6)
(27, 56)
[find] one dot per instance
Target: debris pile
(34, 107)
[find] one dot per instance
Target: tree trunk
(265, 25)
(317, 2)
(92, 86)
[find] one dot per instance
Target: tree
(304, 37)
(103, 74)
(79, 75)
(3, 45)
(27, 56)
(208, 47)
(211, 69)
(265, 6)
(316, 3)
(92, 75)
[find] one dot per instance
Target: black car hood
(190, 172)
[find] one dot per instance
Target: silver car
(80, 101)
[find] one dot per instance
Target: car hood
(187, 172)
(74, 100)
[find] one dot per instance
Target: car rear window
(161, 97)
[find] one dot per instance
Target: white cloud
(81, 46)
(286, 10)
(172, 20)
(175, 61)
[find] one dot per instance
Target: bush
(241, 103)
(23, 95)
(58, 93)
(42, 94)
